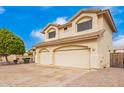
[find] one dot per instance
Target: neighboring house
(29, 54)
(84, 42)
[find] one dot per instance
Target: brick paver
(25, 75)
(109, 77)
(28, 75)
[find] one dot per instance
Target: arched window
(84, 23)
(52, 33)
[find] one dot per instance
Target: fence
(117, 60)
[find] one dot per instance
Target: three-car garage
(69, 56)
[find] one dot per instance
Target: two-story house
(84, 42)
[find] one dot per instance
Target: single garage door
(73, 58)
(44, 58)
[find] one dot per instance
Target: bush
(26, 60)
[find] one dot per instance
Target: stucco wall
(105, 44)
(66, 33)
(99, 48)
(72, 30)
(92, 45)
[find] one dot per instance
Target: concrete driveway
(26, 75)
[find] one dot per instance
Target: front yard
(35, 75)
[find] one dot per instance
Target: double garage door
(68, 58)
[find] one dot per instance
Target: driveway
(109, 77)
(27, 75)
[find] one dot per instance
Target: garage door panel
(72, 58)
(44, 58)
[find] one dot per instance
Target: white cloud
(2, 10)
(61, 20)
(37, 34)
(119, 41)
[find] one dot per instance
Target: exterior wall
(105, 44)
(72, 30)
(37, 55)
(99, 48)
(34, 53)
(92, 45)
(67, 33)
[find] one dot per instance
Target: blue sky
(27, 22)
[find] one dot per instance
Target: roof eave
(109, 19)
(92, 35)
(50, 24)
(85, 11)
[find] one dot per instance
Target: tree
(10, 44)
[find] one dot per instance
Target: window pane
(52, 34)
(84, 26)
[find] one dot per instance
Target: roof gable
(109, 19)
(54, 25)
(105, 13)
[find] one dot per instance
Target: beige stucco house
(84, 42)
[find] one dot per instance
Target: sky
(28, 21)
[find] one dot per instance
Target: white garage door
(44, 58)
(72, 58)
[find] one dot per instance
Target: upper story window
(52, 34)
(84, 26)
